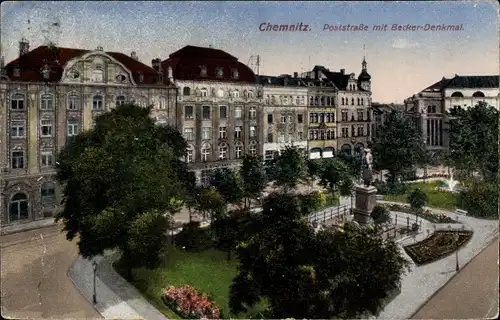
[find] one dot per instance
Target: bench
(461, 212)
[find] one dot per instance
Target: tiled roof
(281, 81)
(187, 64)
(473, 82)
(339, 79)
(31, 63)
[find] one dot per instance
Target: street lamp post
(94, 267)
(457, 266)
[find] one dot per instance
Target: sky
(401, 63)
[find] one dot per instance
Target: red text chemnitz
(267, 26)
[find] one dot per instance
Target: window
(352, 101)
(222, 133)
(120, 100)
(238, 150)
(332, 117)
(206, 150)
(48, 193)
(203, 71)
(188, 112)
(17, 128)
(190, 154)
(188, 134)
(206, 133)
(204, 92)
(238, 113)
(18, 207)
(97, 75)
(300, 135)
(250, 94)
(186, 91)
(253, 132)
(46, 128)
(344, 114)
(270, 118)
(283, 118)
(46, 158)
(220, 93)
(121, 78)
(270, 137)
(302, 100)
(362, 102)
(163, 103)
(223, 112)
(327, 117)
(219, 72)
(343, 101)
(285, 100)
(300, 118)
(269, 155)
(72, 127)
(47, 102)
(97, 102)
(253, 148)
(360, 115)
(290, 119)
(222, 151)
(297, 100)
(237, 132)
(252, 113)
(142, 102)
(73, 102)
(17, 160)
(17, 102)
(236, 94)
(205, 112)
(235, 74)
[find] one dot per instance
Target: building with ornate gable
(430, 105)
(49, 94)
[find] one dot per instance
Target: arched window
(362, 101)
(98, 102)
(142, 102)
(478, 94)
(163, 103)
(250, 94)
(343, 101)
(186, 91)
(120, 100)
(236, 94)
(346, 148)
(457, 94)
(73, 101)
(253, 148)
(47, 102)
(190, 154)
(18, 207)
(223, 149)
(48, 193)
(17, 101)
(97, 75)
(220, 93)
(206, 151)
(238, 150)
(204, 92)
(352, 101)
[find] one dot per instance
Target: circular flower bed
(437, 246)
(188, 303)
(427, 214)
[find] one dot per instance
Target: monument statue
(366, 166)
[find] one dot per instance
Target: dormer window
(186, 91)
(141, 77)
(203, 71)
(235, 74)
(73, 74)
(121, 78)
(46, 72)
(16, 72)
(219, 72)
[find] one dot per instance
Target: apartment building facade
(429, 107)
(219, 108)
(284, 119)
(49, 94)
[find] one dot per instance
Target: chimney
(295, 74)
(170, 74)
(342, 71)
(24, 47)
(133, 55)
(156, 63)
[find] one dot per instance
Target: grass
(208, 272)
(437, 198)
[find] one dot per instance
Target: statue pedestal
(366, 198)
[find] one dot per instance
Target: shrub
(387, 188)
(480, 199)
(189, 303)
(380, 214)
(193, 238)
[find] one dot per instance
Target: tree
(398, 146)
(289, 168)
(417, 199)
(120, 186)
(473, 138)
(210, 203)
(336, 177)
(306, 275)
(480, 199)
(228, 185)
(253, 178)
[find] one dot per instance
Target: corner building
(52, 93)
(219, 108)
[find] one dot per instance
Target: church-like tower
(364, 77)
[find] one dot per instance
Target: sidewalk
(421, 282)
(26, 226)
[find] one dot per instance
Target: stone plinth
(366, 198)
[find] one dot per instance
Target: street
(472, 294)
(34, 266)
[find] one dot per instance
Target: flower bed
(427, 214)
(188, 303)
(437, 246)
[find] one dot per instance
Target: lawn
(208, 272)
(437, 198)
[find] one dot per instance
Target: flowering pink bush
(189, 303)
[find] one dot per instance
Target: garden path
(419, 284)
